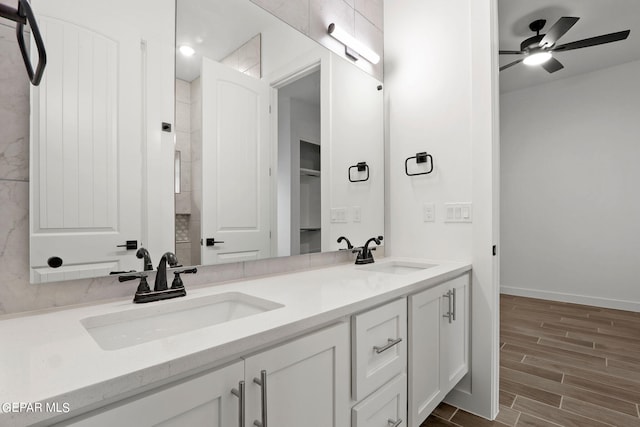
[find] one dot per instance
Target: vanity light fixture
(353, 47)
(186, 50)
(537, 58)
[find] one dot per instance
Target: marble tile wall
(361, 18)
(247, 58)
(183, 145)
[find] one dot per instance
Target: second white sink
(114, 331)
(397, 267)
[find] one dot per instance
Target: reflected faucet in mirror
(142, 253)
(349, 245)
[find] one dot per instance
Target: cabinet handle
(390, 343)
(449, 314)
(262, 382)
(393, 423)
(240, 393)
(453, 314)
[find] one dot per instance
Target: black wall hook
(22, 16)
(361, 167)
(422, 157)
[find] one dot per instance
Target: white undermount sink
(396, 267)
(122, 329)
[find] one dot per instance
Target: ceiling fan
(537, 50)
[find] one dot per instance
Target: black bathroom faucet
(161, 276)
(364, 254)
(160, 290)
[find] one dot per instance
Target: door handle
(240, 393)
(262, 382)
(394, 423)
(211, 241)
(131, 245)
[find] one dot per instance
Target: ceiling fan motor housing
(531, 43)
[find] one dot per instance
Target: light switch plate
(357, 214)
(429, 212)
(458, 212)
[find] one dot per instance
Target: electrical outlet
(458, 212)
(429, 212)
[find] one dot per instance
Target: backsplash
(360, 17)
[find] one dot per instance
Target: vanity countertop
(50, 357)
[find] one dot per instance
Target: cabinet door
(455, 333)
(306, 381)
(203, 401)
(425, 363)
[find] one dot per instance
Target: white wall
(570, 199)
(440, 85)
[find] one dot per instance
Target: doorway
(298, 166)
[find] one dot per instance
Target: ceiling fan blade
(558, 30)
(511, 52)
(593, 41)
(511, 64)
(552, 65)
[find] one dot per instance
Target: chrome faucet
(364, 253)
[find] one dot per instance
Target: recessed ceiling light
(537, 58)
(186, 50)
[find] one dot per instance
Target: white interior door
(235, 165)
(86, 138)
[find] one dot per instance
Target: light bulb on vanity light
(186, 50)
(353, 45)
(537, 58)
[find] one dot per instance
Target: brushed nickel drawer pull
(390, 343)
(262, 382)
(393, 423)
(453, 314)
(240, 393)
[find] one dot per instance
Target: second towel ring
(422, 157)
(362, 167)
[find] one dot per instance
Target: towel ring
(422, 157)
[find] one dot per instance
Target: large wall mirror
(258, 163)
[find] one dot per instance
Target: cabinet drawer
(384, 408)
(379, 347)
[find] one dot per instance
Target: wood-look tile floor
(561, 365)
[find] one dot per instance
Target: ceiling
(215, 29)
(597, 17)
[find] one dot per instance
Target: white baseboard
(573, 298)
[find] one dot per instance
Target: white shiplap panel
(70, 129)
(78, 144)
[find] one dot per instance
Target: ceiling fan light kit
(538, 50)
(537, 58)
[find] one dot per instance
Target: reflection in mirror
(267, 124)
(269, 134)
(96, 144)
